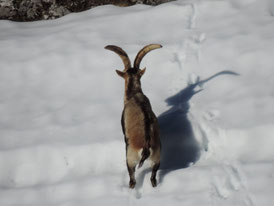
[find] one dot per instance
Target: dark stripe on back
(146, 109)
(130, 88)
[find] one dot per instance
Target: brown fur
(134, 125)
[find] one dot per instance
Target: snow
(210, 86)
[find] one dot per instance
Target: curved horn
(143, 52)
(121, 54)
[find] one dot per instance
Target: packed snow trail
(211, 86)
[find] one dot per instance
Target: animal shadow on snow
(180, 149)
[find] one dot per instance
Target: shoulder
(141, 98)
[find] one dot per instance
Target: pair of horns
(123, 55)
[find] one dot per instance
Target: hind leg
(155, 166)
(132, 161)
(131, 172)
(154, 173)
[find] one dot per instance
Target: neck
(132, 87)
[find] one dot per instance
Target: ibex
(139, 123)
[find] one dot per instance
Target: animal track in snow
(228, 178)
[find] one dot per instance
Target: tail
(145, 155)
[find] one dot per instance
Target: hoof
(154, 182)
(132, 184)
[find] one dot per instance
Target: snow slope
(211, 86)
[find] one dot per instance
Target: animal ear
(120, 73)
(142, 71)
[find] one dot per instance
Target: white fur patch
(151, 152)
(141, 150)
(140, 153)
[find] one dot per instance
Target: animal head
(130, 72)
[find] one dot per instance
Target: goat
(139, 123)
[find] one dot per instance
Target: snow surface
(211, 85)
